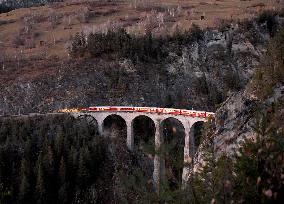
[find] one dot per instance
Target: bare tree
(68, 21)
(84, 15)
(18, 57)
(161, 19)
(26, 36)
(2, 57)
(53, 18)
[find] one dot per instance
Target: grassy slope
(105, 13)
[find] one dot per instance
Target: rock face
(196, 75)
(236, 118)
(234, 121)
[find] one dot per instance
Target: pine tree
(83, 171)
(5, 194)
(213, 181)
(259, 164)
(79, 45)
(25, 188)
(48, 161)
(59, 143)
(40, 183)
(62, 171)
(49, 169)
(62, 194)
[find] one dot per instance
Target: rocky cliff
(259, 108)
(237, 118)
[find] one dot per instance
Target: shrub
(4, 22)
(84, 16)
(269, 17)
(18, 41)
(78, 46)
(196, 33)
(4, 8)
(281, 13)
(54, 18)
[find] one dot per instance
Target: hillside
(195, 70)
(46, 30)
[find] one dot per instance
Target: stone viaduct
(157, 118)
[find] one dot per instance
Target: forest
(53, 159)
(60, 159)
(9, 5)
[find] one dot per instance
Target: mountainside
(46, 30)
(197, 70)
(199, 74)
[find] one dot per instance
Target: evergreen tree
(62, 194)
(25, 188)
(59, 142)
(49, 169)
(83, 171)
(213, 181)
(5, 194)
(40, 183)
(62, 171)
(79, 45)
(259, 164)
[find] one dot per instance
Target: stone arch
(173, 122)
(114, 125)
(173, 134)
(90, 121)
(89, 118)
(196, 133)
(191, 142)
(143, 130)
(143, 133)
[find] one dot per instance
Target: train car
(190, 113)
(201, 114)
(99, 108)
(171, 111)
(126, 109)
(142, 109)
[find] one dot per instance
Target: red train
(172, 111)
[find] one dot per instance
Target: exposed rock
(128, 66)
(234, 121)
(244, 48)
(217, 42)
